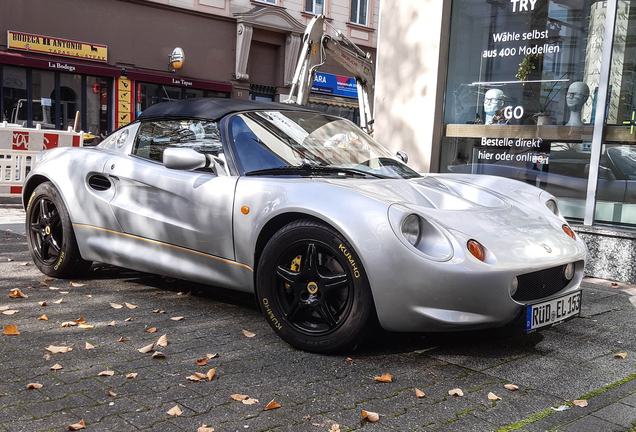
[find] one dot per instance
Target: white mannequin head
(493, 101)
(578, 93)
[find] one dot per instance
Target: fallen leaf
(176, 318)
(180, 293)
(10, 312)
(350, 360)
(64, 292)
(75, 284)
(89, 346)
(131, 306)
(158, 355)
(77, 426)
(44, 283)
(580, 402)
(107, 373)
(129, 319)
(89, 296)
(111, 324)
(47, 357)
(16, 293)
(193, 378)
(112, 394)
(43, 318)
(175, 411)
(419, 393)
(11, 330)
(211, 356)
(86, 326)
(335, 428)
(122, 339)
(493, 397)
(272, 405)
(24, 264)
(58, 349)
(155, 311)
(205, 428)
(250, 401)
(456, 392)
(58, 301)
(511, 387)
(620, 355)
(80, 320)
(151, 330)
(239, 397)
(614, 285)
(131, 375)
(163, 341)
(385, 378)
(248, 333)
(189, 293)
(116, 306)
(211, 374)
(9, 259)
(34, 386)
(68, 324)
(561, 408)
(48, 279)
(371, 416)
(56, 366)
(4, 308)
(42, 303)
(200, 375)
(146, 349)
(54, 288)
(202, 362)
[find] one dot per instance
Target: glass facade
(535, 93)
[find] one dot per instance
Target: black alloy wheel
(46, 231)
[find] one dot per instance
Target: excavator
(316, 45)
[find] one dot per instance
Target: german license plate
(553, 312)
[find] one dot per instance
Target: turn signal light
(569, 231)
(475, 248)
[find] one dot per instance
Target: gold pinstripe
(164, 244)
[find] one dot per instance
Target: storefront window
(96, 109)
(43, 103)
(14, 95)
(70, 102)
(522, 86)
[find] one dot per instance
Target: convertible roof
(210, 108)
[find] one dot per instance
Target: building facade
(101, 62)
(542, 91)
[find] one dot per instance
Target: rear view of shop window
(523, 83)
(359, 12)
(314, 6)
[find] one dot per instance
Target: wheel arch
(28, 188)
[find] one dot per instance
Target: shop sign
(335, 85)
(56, 46)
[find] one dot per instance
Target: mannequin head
(493, 101)
(578, 93)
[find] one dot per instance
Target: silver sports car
(329, 230)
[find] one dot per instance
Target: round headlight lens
(552, 206)
(513, 286)
(411, 229)
(568, 272)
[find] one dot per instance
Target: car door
(187, 209)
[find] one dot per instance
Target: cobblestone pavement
(316, 392)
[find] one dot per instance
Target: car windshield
(268, 140)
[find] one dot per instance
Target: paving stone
(618, 413)
(591, 424)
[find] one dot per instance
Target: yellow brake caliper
(295, 266)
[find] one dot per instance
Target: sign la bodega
(55, 46)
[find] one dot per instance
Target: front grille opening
(540, 284)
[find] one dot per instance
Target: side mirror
(183, 159)
(402, 156)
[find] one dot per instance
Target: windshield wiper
(312, 170)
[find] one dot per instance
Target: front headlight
(411, 229)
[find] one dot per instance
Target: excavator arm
(316, 46)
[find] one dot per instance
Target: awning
(59, 64)
(333, 100)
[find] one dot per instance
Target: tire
(50, 235)
(313, 290)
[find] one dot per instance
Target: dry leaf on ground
(77, 426)
(86, 326)
(58, 349)
(56, 366)
(54, 288)
(146, 349)
(272, 405)
(131, 306)
(151, 329)
(158, 355)
(371, 416)
(16, 293)
(64, 292)
(10, 312)
(493, 397)
(4, 308)
(111, 324)
(580, 402)
(250, 401)
(80, 320)
(116, 306)
(335, 428)
(47, 357)
(34, 386)
(43, 318)
(176, 318)
(210, 374)
(129, 319)
(419, 393)
(248, 333)
(112, 394)
(58, 301)
(131, 375)
(75, 284)
(163, 341)
(122, 339)
(211, 356)
(68, 324)
(89, 346)
(42, 303)
(11, 330)
(202, 362)
(44, 283)
(511, 387)
(239, 397)
(200, 375)
(620, 355)
(24, 264)
(385, 378)
(89, 296)
(107, 373)
(193, 378)
(350, 360)
(175, 411)
(456, 392)
(205, 428)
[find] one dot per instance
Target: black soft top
(211, 108)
